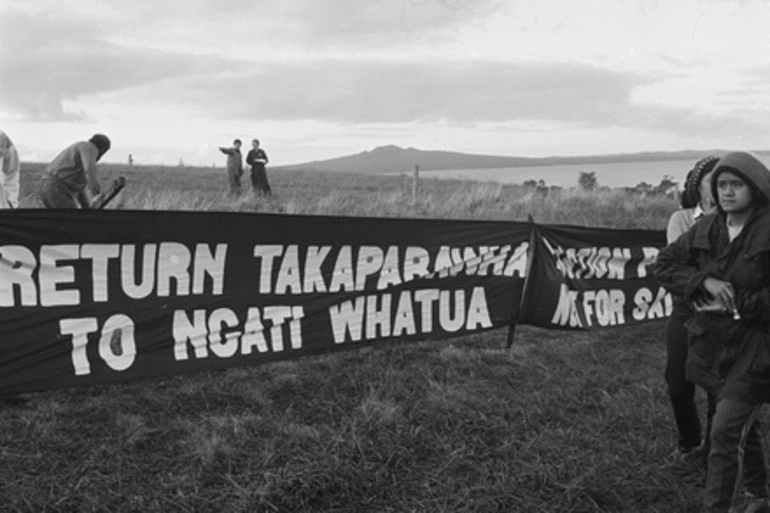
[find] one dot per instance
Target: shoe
(688, 454)
(757, 505)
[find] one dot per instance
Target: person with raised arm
(234, 166)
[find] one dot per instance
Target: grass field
(562, 422)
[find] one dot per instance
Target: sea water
(608, 174)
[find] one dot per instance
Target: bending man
(70, 180)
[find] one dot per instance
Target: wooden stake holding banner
(415, 183)
(530, 257)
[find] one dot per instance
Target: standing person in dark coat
(234, 166)
(257, 159)
(696, 202)
(70, 180)
(722, 265)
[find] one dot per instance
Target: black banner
(588, 278)
(89, 298)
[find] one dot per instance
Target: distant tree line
(587, 181)
(666, 186)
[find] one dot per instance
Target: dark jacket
(727, 355)
(257, 159)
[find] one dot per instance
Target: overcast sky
(316, 79)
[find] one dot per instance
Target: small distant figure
(70, 180)
(257, 159)
(234, 166)
(130, 159)
(11, 167)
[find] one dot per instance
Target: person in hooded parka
(722, 266)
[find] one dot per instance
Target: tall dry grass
(312, 193)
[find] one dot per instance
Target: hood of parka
(750, 169)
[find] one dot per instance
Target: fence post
(415, 183)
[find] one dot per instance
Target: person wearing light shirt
(683, 219)
(11, 167)
(692, 441)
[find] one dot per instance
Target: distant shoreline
(392, 159)
(403, 161)
(609, 174)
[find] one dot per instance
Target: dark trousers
(234, 179)
(736, 450)
(259, 180)
(682, 392)
(55, 194)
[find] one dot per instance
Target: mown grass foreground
(561, 422)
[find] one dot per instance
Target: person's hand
(94, 201)
(711, 306)
(722, 292)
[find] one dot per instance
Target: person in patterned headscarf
(692, 442)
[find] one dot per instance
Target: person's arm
(679, 222)
(88, 156)
(676, 267)
(226, 151)
(754, 304)
(263, 157)
(250, 157)
(84, 200)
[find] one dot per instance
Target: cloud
(54, 60)
(399, 92)
(376, 20)
(394, 91)
(343, 62)
(57, 52)
(314, 23)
